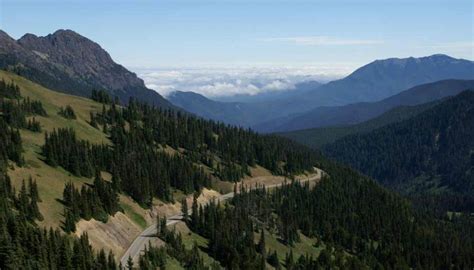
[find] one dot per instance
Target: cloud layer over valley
(223, 82)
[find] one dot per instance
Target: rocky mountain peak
(82, 58)
(71, 63)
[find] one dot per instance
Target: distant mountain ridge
(360, 112)
(68, 62)
(384, 78)
(243, 114)
(373, 82)
(234, 113)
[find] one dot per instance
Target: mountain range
(68, 62)
(372, 82)
(363, 111)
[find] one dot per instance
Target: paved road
(142, 240)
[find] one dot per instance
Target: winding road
(142, 240)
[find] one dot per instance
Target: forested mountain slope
(351, 222)
(68, 62)
(319, 137)
(71, 141)
(429, 153)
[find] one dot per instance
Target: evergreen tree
(129, 263)
(184, 210)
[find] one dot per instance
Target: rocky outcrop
(68, 62)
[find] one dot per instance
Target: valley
(99, 171)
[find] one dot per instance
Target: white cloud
(278, 85)
(222, 82)
(323, 41)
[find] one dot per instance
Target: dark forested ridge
(317, 138)
(429, 153)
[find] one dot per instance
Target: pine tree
(289, 261)
(34, 190)
(69, 221)
(273, 260)
(184, 210)
(194, 214)
(130, 263)
(261, 245)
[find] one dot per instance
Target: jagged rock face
(81, 57)
(68, 62)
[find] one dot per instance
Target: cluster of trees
(429, 152)
(230, 231)
(15, 112)
(33, 125)
(11, 147)
(77, 156)
(327, 259)
(152, 258)
(23, 245)
(102, 96)
(97, 201)
(188, 258)
(67, 112)
(27, 201)
(14, 108)
(32, 107)
(9, 90)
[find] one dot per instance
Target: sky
(313, 39)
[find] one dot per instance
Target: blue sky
(238, 33)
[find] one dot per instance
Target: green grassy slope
(51, 180)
